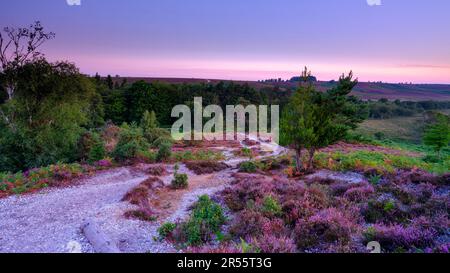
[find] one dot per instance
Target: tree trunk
(311, 151)
(298, 159)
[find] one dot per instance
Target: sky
(397, 41)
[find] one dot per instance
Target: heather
(205, 222)
(404, 212)
(39, 178)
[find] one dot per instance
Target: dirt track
(50, 221)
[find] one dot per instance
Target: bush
(141, 214)
(97, 152)
(270, 207)
(396, 237)
(164, 152)
(327, 226)
(385, 210)
(206, 219)
(88, 141)
(180, 181)
(163, 140)
(359, 194)
(198, 155)
(39, 178)
(131, 142)
(104, 163)
(157, 170)
(147, 156)
(137, 196)
(206, 167)
(248, 167)
(248, 223)
(166, 230)
(274, 244)
(246, 152)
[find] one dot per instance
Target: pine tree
(149, 121)
(313, 119)
(437, 135)
(109, 82)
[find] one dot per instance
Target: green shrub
(180, 181)
(247, 152)
(248, 167)
(162, 140)
(379, 161)
(157, 134)
(147, 156)
(271, 207)
(164, 152)
(386, 211)
(131, 142)
(39, 178)
(206, 219)
(97, 152)
(375, 179)
(88, 141)
(166, 229)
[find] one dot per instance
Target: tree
(51, 104)
(109, 82)
(437, 135)
(300, 118)
(149, 121)
(18, 47)
(313, 119)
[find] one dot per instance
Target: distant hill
(364, 90)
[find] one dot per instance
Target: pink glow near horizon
(255, 70)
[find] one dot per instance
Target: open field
(399, 128)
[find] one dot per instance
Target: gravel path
(50, 220)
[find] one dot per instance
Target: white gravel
(50, 221)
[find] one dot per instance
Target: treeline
(129, 102)
(384, 109)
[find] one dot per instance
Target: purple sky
(399, 41)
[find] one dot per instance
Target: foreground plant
(205, 221)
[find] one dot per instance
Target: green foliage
(247, 152)
(248, 167)
(200, 155)
(166, 229)
(163, 139)
(91, 147)
(39, 178)
(164, 152)
(131, 142)
(375, 179)
(50, 105)
(270, 206)
(206, 219)
(385, 109)
(314, 119)
(149, 121)
(379, 161)
(437, 135)
(155, 136)
(180, 181)
(97, 152)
